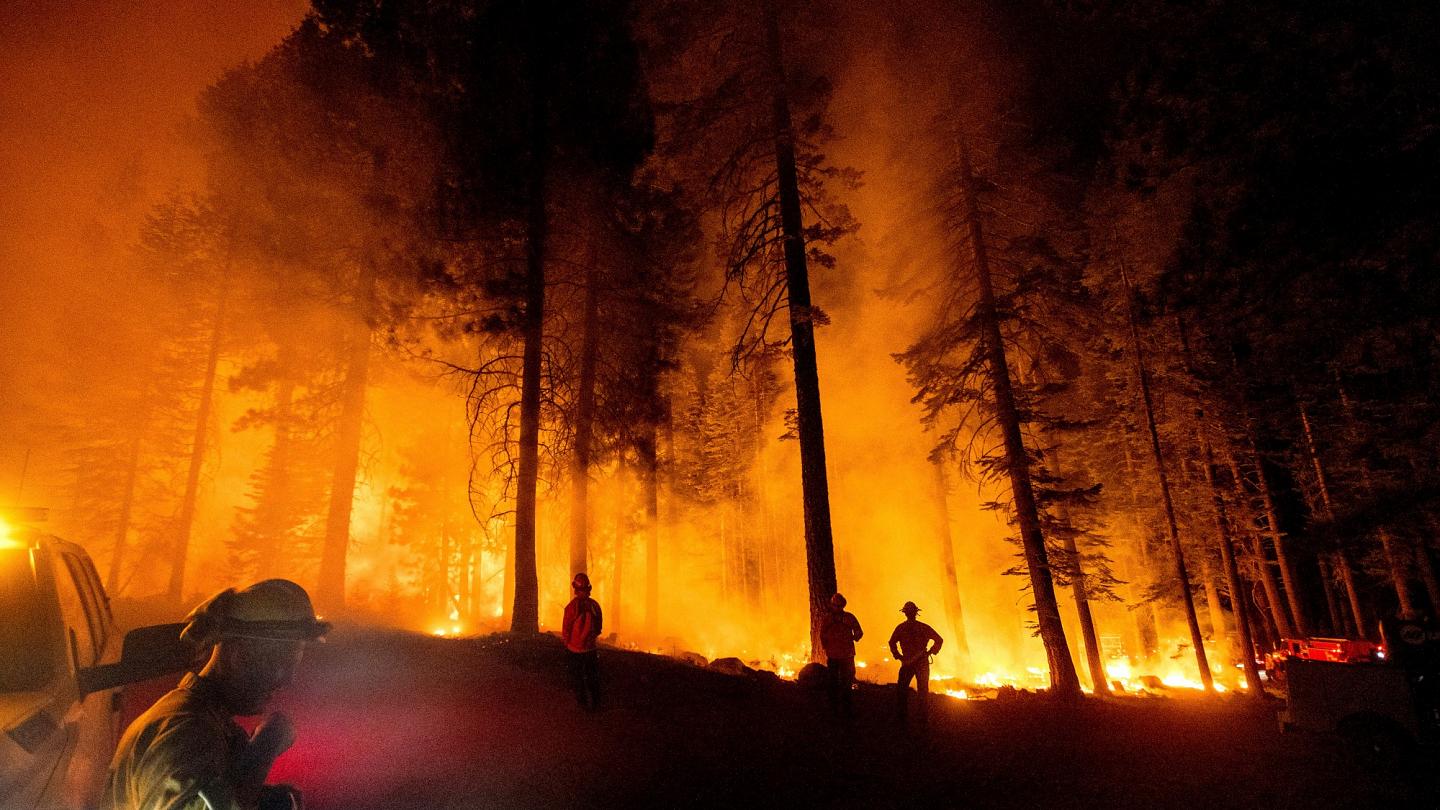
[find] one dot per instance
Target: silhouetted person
(187, 752)
(838, 634)
(910, 645)
(581, 628)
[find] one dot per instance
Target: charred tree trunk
(1338, 620)
(950, 583)
(617, 571)
(1187, 601)
(331, 592)
(1238, 599)
(819, 546)
(1342, 560)
(1212, 601)
(1079, 591)
(584, 423)
(507, 586)
(525, 613)
(1279, 618)
(186, 520)
(1288, 576)
(122, 531)
(650, 493)
(1064, 681)
(1144, 610)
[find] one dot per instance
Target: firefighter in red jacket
(582, 626)
(838, 634)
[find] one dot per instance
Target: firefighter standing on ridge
(187, 752)
(838, 634)
(910, 645)
(580, 629)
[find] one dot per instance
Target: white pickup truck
(60, 666)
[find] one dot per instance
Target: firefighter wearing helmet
(581, 630)
(187, 752)
(912, 644)
(838, 634)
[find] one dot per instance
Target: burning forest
(1105, 333)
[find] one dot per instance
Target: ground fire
(677, 353)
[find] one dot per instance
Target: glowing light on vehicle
(7, 538)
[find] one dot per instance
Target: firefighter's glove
(280, 797)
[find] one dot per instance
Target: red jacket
(582, 625)
(838, 634)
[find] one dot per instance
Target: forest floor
(395, 720)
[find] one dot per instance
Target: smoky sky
(93, 112)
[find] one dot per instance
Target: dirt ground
(395, 720)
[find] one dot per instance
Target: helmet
(909, 608)
(275, 609)
(581, 582)
(837, 601)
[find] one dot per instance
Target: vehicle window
(91, 600)
(27, 651)
(100, 594)
(77, 618)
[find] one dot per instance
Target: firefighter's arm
(568, 621)
(599, 620)
(895, 650)
(272, 737)
(184, 769)
(855, 632)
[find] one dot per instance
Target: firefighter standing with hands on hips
(187, 752)
(910, 645)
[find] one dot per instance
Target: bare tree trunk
(1287, 569)
(1267, 617)
(525, 614)
(1267, 576)
(650, 493)
(1212, 601)
(122, 530)
(584, 422)
(1238, 597)
(1332, 601)
(950, 583)
(1342, 560)
(1186, 599)
(1079, 592)
(1064, 681)
(507, 591)
(331, 592)
(819, 546)
(1144, 610)
(181, 550)
(622, 509)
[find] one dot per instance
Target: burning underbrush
(1156, 678)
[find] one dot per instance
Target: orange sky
(92, 112)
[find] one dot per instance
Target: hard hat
(275, 609)
(909, 608)
(581, 582)
(838, 600)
